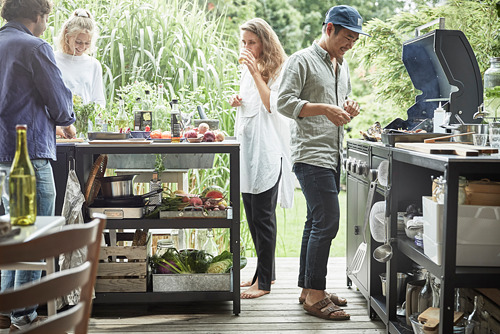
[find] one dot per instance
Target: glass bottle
(210, 246)
(175, 122)
(436, 291)
(122, 118)
(146, 102)
(425, 295)
(136, 113)
(160, 114)
(98, 123)
(492, 89)
(475, 323)
(22, 183)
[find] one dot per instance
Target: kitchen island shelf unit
(85, 156)
(410, 179)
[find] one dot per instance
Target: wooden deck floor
(277, 312)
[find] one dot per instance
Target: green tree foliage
(380, 56)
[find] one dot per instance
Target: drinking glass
(495, 137)
(480, 139)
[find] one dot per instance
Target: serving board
(122, 142)
(448, 148)
(74, 140)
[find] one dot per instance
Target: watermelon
(213, 192)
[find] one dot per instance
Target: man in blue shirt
(32, 92)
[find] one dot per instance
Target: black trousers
(260, 210)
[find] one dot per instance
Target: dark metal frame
(85, 156)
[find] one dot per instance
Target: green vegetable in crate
(220, 267)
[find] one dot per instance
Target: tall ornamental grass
(178, 43)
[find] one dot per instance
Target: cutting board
(448, 148)
(74, 140)
(430, 318)
(119, 142)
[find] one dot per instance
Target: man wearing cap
(314, 92)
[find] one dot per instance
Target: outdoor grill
(442, 65)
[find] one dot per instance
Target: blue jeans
(45, 205)
(319, 186)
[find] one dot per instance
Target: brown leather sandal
(339, 301)
(325, 309)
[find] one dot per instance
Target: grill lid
(443, 66)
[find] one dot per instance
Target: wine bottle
(22, 183)
(175, 122)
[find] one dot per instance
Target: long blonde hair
(81, 21)
(273, 55)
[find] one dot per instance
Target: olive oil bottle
(22, 183)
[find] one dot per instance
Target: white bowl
(411, 232)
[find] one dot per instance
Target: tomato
(155, 134)
(147, 129)
(166, 135)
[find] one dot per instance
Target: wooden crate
(126, 274)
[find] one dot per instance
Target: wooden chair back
(69, 238)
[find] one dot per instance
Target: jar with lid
(163, 246)
(492, 89)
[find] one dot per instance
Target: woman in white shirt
(81, 73)
(264, 137)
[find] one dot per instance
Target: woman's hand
(250, 61)
(235, 100)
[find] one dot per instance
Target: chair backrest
(52, 286)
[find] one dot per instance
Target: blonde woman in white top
(81, 72)
(264, 137)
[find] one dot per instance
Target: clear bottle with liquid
(425, 295)
(146, 102)
(476, 324)
(121, 120)
(22, 183)
(160, 113)
(210, 246)
(175, 122)
(492, 89)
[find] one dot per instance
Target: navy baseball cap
(345, 16)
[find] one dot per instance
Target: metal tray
(119, 213)
(107, 135)
(390, 139)
(228, 213)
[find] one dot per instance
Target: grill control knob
(372, 174)
(363, 168)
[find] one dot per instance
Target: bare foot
(253, 292)
(249, 283)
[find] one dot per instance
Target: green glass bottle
(22, 183)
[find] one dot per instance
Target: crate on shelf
(126, 274)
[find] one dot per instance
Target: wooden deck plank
(277, 312)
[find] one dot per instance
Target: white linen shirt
(265, 142)
(83, 76)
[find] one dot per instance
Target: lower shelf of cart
(163, 297)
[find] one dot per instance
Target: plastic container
(476, 224)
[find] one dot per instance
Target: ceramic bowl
(411, 232)
(140, 134)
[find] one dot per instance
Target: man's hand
(68, 132)
(235, 100)
(336, 115)
(352, 108)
